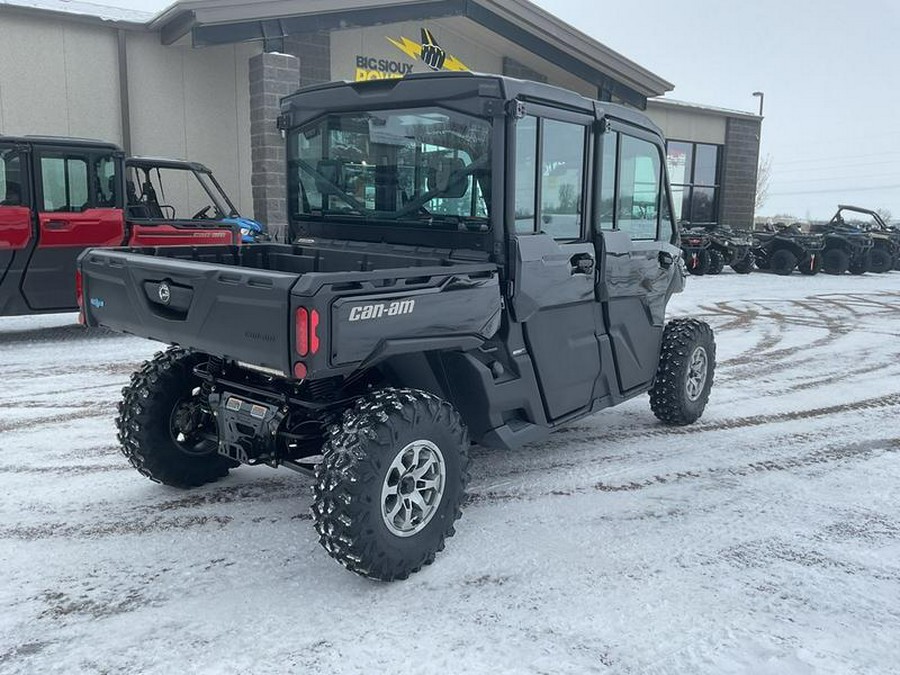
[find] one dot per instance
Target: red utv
(59, 196)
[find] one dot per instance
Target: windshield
(424, 167)
(165, 193)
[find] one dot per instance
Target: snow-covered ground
(764, 539)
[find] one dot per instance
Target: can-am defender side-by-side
(473, 259)
(60, 196)
(885, 253)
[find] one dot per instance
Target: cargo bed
(241, 303)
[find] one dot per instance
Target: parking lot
(763, 539)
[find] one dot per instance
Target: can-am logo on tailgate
(380, 309)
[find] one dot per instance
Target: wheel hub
(186, 427)
(412, 488)
(698, 366)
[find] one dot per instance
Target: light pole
(761, 96)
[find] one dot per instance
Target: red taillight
(79, 289)
(79, 296)
(307, 330)
(313, 332)
(302, 345)
(299, 371)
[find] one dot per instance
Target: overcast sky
(830, 72)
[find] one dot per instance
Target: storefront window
(694, 175)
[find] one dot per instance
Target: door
(555, 265)
(15, 215)
(637, 239)
(79, 205)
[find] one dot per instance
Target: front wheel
(783, 262)
(392, 483)
(165, 432)
(684, 376)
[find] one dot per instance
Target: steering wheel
(201, 214)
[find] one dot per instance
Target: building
(202, 79)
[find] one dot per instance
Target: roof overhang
(216, 22)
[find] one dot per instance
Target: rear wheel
(684, 376)
(716, 262)
(392, 483)
(782, 262)
(881, 261)
(835, 261)
(697, 261)
(810, 264)
(164, 431)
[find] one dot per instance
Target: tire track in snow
(826, 456)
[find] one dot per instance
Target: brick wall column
(272, 76)
(740, 161)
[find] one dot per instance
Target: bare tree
(763, 178)
(885, 214)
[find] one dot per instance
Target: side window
(526, 173)
(639, 182)
(666, 222)
(64, 182)
(10, 178)
(562, 179)
(607, 208)
(107, 177)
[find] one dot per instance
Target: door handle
(58, 225)
(665, 259)
(582, 263)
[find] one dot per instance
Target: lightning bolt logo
(429, 52)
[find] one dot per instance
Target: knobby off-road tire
(810, 264)
(862, 264)
(364, 513)
(835, 261)
(744, 265)
(684, 377)
(698, 265)
(716, 262)
(150, 434)
(782, 262)
(881, 261)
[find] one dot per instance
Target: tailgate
(233, 312)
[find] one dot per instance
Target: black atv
(848, 248)
(783, 248)
(695, 248)
(885, 253)
(729, 247)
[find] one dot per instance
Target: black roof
(165, 163)
(422, 88)
(61, 141)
